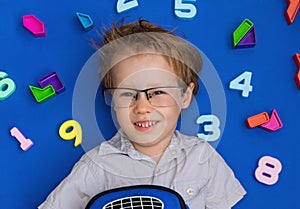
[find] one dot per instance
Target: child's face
(145, 124)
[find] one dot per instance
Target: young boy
(148, 76)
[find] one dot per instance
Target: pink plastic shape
(274, 123)
(249, 40)
(25, 144)
(34, 25)
(268, 170)
(52, 79)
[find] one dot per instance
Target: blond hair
(122, 41)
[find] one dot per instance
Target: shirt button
(190, 191)
(158, 171)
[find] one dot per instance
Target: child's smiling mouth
(145, 125)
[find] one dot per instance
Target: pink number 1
(25, 144)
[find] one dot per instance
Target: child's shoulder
(189, 141)
(105, 148)
(197, 147)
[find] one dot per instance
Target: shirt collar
(121, 144)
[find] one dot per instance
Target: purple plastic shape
(249, 40)
(52, 79)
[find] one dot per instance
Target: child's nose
(142, 105)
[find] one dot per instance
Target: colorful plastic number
(75, 132)
(268, 170)
(123, 5)
(212, 128)
(245, 87)
(7, 86)
(25, 144)
(185, 9)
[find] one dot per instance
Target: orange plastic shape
(257, 120)
(297, 79)
(297, 60)
(292, 10)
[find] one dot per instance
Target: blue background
(26, 178)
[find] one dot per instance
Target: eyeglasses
(164, 96)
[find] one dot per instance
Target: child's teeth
(147, 124)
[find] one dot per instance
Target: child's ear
(187, 96)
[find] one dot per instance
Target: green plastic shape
(241, 31)
(43, 94)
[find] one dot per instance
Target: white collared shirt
(189, 165)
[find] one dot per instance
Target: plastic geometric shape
(34, 25)
(249, 40)
(25, 144)
(297, 79)
(291, 11)
(268, 170)
(241, 31)
(43, 94)
(297, 60)
(123, 5)
(274, 123)
(7, 84)
(85, 20)
(257, 120)
(185, 9)
(53, 79)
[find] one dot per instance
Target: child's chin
(145, 139)
(144, 143)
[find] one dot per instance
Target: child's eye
(158, 92)
(127, 94)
